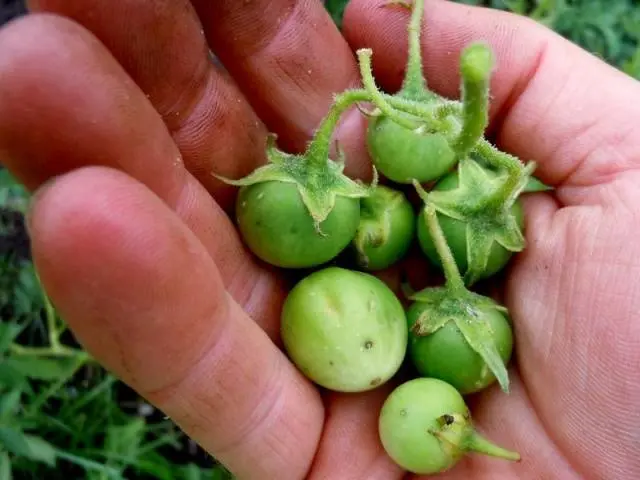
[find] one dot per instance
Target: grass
(62, 416)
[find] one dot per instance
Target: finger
(289, 59)
(67, 103)
(352, 420)
(574, 305)
(161, 46)
(113, 259)
(544, 103)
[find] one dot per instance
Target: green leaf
(336, 10)
(191, 472)
(41, 368)
(8, 333)
(41, 450)
(156, 466)
(28, 446)
(5, 467)
(14, 441)
(105, 471)
(9, 403)
(219, 472)
(10, 377)
(125, 439)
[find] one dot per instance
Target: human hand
(134, 246)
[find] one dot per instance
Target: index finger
(289, 59)
(179, 340)
(552, 102)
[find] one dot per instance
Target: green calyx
(469, 312)
(319, 179)
(416, 108)
(375, 221)
(386, 229)
(455, 303)
(484, 201)
(457, 436)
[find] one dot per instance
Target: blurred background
(62, 416)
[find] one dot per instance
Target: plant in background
(607, 28)
(62, 415)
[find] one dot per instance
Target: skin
(456, 235)
(344, 329)
(445, 354)
(276, 225)
(133, 243)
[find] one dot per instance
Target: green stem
(449, 108)
(364, 59)
(506, 191)
(59, 351)
(414, 84)
(449, 266)
(477, 443)
(505, 196)
(318, 151)
(432, 114)
(476, 64)
(54, 334)
(497, 158)
(79, 361)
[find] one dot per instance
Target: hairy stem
(506, 195)
(414, 84)
(319, 147)
(449, 266)
(497, 158)
(364, 59)
(432, 114)
(318, 151)
(475, 65)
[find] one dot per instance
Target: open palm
(133, 240)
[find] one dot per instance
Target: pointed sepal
(480, 337)
(266, 173)
(535, 185)
(484, 201)
(433, 315)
